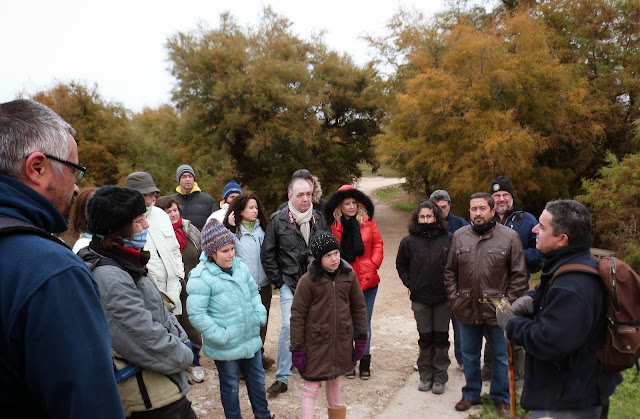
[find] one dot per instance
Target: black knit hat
(112, 207)
(322, 244)
(501, 183)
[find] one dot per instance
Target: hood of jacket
(19, 201)
(337, 197)
(196, 188)
(316, 271)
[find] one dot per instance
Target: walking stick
(512, 380)
(502, 305)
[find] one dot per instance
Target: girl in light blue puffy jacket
(224, 305)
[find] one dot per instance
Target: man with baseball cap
(196, 205)
(165, 265)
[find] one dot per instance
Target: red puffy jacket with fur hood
(365, 266)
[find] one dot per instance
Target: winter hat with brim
(322, 244)
(502, 183)
(141, 182)
(229, 188)
(112, 207)
(182, 169)
(215, 236)
(440, 195)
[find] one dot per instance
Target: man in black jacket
(285, 257)
(196, 205)
(560, 325)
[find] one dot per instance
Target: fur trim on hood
(317, 190)
(316, 271)
(337, 197)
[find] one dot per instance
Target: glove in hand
(360, 348)
(503, 315)
(196, 352)
(523, 306)
(299, 359)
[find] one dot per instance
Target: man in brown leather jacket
(486, 263)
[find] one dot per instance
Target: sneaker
(351, 374)
(502, 409)
(277, 388)
(425, 385)
(438, 388)
(465, 404)
(415, 367)
(197, 374)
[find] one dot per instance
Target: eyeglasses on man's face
(78, 171)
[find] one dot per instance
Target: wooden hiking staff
(512, 380)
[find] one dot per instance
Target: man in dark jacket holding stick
(560, 325)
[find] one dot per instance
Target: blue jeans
(471, 336)
(284, 355)
(369, 299)
(456, 338)
(229, 384)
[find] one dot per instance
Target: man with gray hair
(56, 353)
(285, 256)
(562, 322)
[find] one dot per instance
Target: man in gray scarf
(285, 257)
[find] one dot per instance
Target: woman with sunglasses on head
(350, 214)
(150, 350)
(190, 242)
(250, 219)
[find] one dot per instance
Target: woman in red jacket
(350, 214)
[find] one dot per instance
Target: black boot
(365, 362)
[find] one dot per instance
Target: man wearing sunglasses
(55, 357)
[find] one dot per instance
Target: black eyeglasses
(78, 171)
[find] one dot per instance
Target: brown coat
(322, 315)
(481, 270)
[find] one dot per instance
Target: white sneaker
(195, 374)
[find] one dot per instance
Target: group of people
(462, 271)
(158, 279)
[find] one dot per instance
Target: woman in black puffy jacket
(421, 258)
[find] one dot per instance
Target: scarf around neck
(351, 244)
(303, 220)
(180, 234)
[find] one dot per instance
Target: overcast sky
(119, 45)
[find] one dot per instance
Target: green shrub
(614, 201)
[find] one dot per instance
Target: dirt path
(392, 390)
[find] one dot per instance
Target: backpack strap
(10, 225)
(573, 267)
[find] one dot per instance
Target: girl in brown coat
(328, 304)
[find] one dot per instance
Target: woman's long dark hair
(238, 205)
(413, 222)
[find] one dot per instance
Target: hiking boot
(502, 409)
(438, 388)
(365, 362)
(277, 388)
(465, 404)
(425, 385)
(267, 362)
(351, 374)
